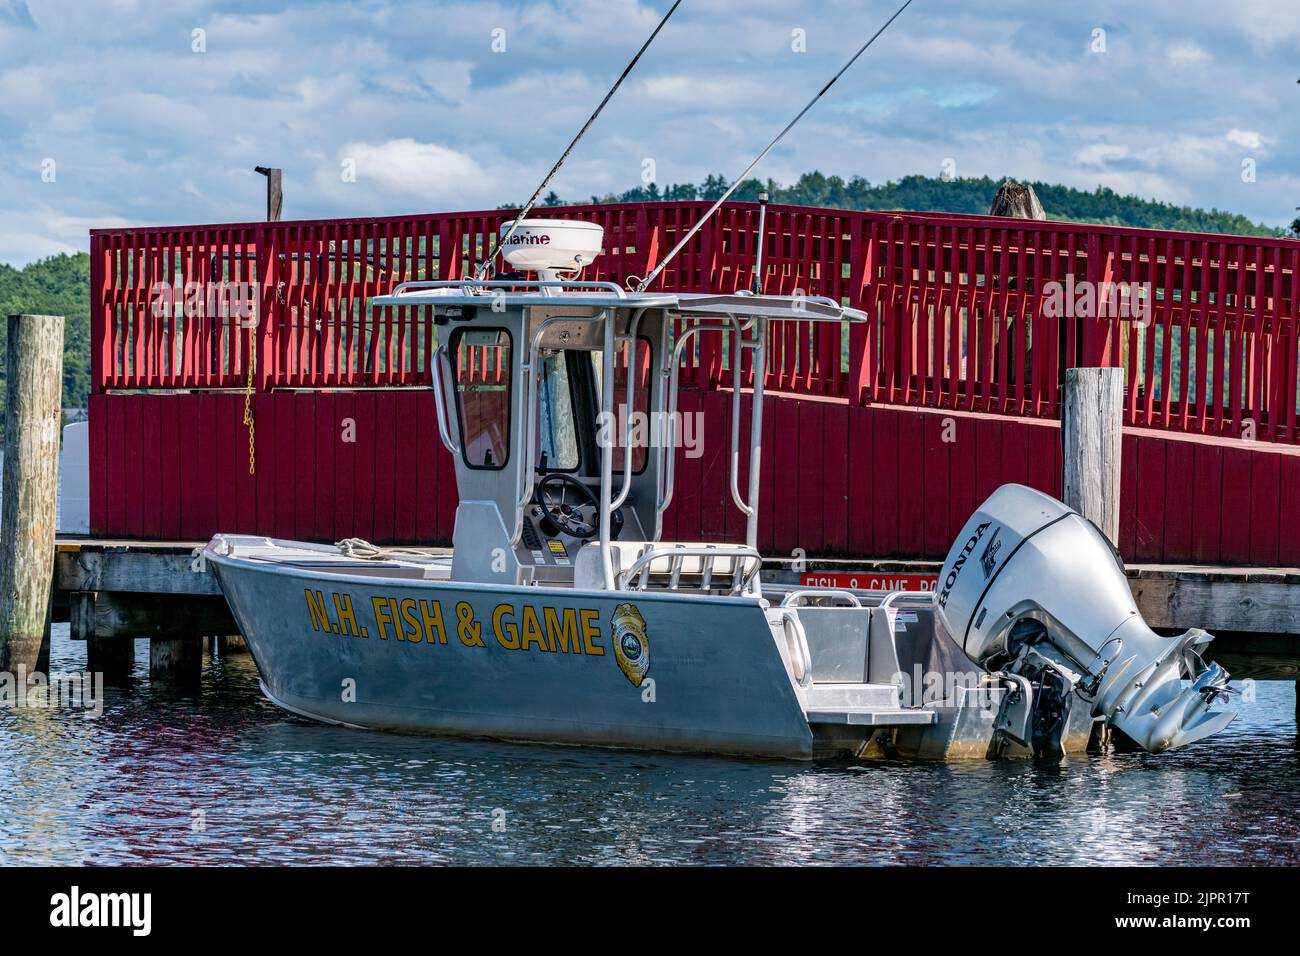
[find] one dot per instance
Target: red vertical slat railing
(956, 307)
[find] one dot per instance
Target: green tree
(59, 285)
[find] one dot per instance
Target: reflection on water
(224, 777)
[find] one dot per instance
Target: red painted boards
(874, 481)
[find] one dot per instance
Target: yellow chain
(248, 403)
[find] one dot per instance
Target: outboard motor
(1034, 591)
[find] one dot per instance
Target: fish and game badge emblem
(631, 645)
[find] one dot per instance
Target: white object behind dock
(74, 479)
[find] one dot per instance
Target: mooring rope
(364, 550)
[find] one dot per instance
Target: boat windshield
(482, 364)
(557, 435)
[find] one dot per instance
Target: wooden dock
(113, 591)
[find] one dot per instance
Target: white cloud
(147, 132)
(692, 89)
(1245, 138)
(1099, 154)
(1188, 53)
(424, 169)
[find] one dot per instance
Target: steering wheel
(572, 507)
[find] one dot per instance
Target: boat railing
(439, 400)
(913, 598)
(794, 598)
(743, 564)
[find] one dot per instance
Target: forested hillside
(59, 285)
(1104, 206)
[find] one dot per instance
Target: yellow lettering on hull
(525, 627)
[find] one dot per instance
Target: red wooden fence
(961, 326)
(957, 302)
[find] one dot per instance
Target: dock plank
(153, 571)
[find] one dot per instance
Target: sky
(154, 112)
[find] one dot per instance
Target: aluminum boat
(563, 615)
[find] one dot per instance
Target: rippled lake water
(223, 777)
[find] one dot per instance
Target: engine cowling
(1030, 584)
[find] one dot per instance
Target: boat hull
(639, 670)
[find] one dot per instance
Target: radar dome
(551, 246)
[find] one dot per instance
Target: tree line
(1102, 206)
(59, 285)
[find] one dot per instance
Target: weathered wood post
(179, 659)
(43, 658)
(31, 481)
(1092, 432)
(114, 657)
(1092, 424)
(231, 644)
(274, 191)
(1017, 201)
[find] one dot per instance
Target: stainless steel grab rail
(791, 599)
(746, 568)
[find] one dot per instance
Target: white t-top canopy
(607, 295)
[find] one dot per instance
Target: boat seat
(672, 565)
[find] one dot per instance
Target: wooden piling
(43, 655)
(231, 644)
(274, 191)
(114, 657)
(179, 659)
(1092, 425)
(30, 491)
(1018, 201)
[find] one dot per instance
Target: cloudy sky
(147, 112)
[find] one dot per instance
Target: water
(222, 777)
